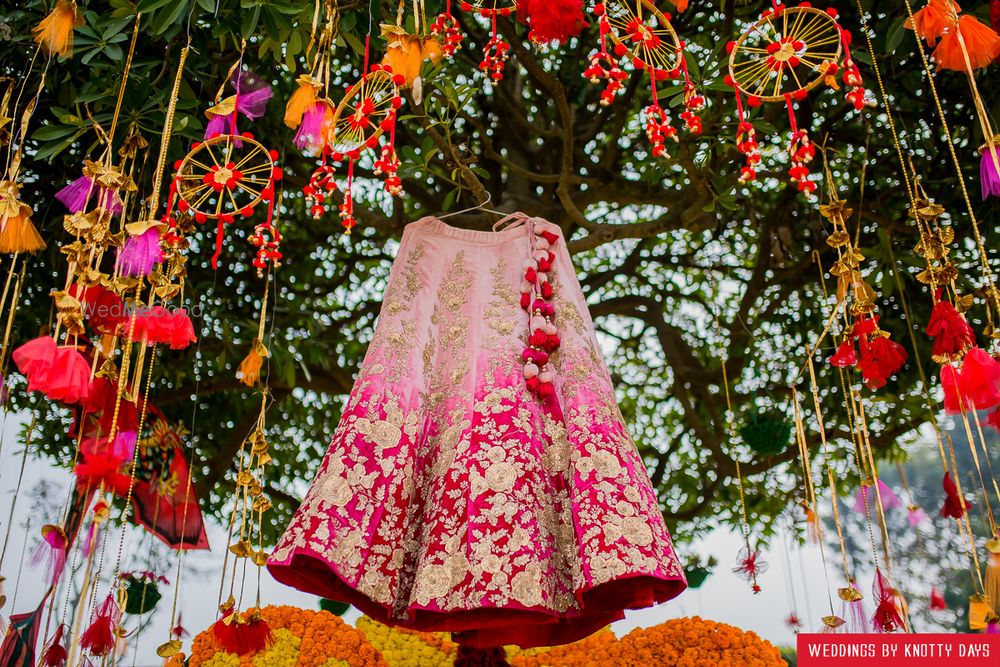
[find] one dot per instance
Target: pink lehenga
(481, 479)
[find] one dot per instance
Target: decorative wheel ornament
(786, 54)
(222, 178)
(643, 36)
(497, 50)
(365, 114)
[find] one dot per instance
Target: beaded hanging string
(140, 371)
(992, 294)
(810, 503)
(932, 238)
(750, 553)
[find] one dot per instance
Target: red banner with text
(828, 650)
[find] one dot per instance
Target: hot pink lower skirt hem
(488, 627)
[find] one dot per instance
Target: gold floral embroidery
(503, 502)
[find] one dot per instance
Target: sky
(795, 577)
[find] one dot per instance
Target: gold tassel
(19, 233)
(303, 98)
(979, 610)
(993, 574)
(55, 32)
(249, 371)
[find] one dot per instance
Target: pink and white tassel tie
(536, 299)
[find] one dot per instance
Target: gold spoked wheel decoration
(366, 113)
(367, 110)
(222, 178)
(643, 36)
(643, 33)
(786, 54)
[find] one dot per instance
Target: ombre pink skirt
(461, 494)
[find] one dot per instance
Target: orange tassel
(249, 370)
(303, 98)
(19, 233)
(55, 32)
(405, 58)
(982, 45)
(931, 22)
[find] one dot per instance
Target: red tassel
(886, 617)
(949, 382)
(954, 506)
(552, 20)
(242, 636)
(951, 333)
(99, 638)
(982, 46)
(993, 420)
(179, 631)
(880, 359)
(979, 382)
(845, 355)
(937, 600)
(56, 655)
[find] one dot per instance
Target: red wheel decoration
(643, 36)
(497, 51)
(221, 179)
(786, 54)
(366, 113)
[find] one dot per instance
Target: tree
(683, 266)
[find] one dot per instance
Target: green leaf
(147, 6)
(169, 17)
(50, 132)
(895, 37)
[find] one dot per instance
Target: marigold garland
(302, 638)
(305, 638)
(684, 642)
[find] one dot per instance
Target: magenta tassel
(993, 627)
(140, 254)
(50, 553)
(856, 616)
(253, 94)
(889, 499)
(76, 195)
(916, 516)
(92, 537)
(218, 125)
(124, 445)
(988, 173)
(310, 134)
